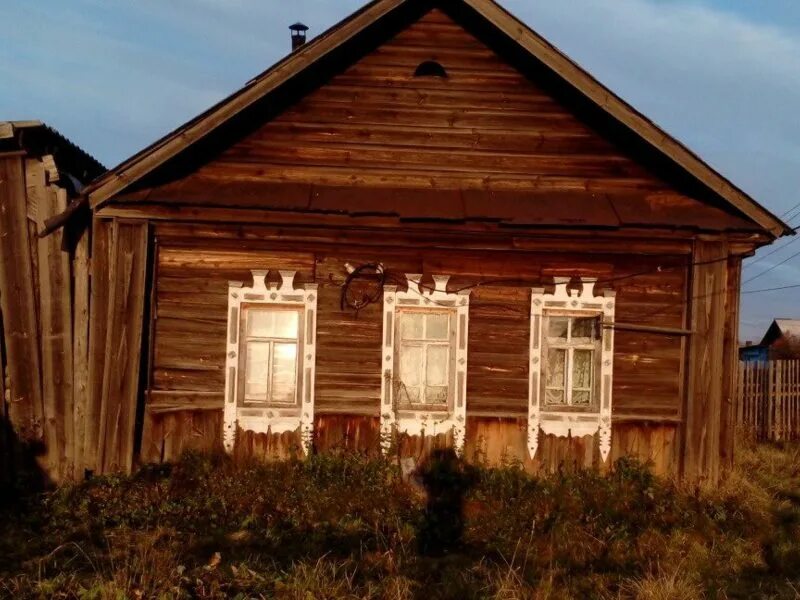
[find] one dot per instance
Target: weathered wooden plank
(102, 242)
(701, 451)
(730, 363)
(80, 347)
(173, 432)
(164, 401)
(55, 314)
(18, 302)
(123, 345)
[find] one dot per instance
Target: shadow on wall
(20, 471)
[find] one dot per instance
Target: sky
(722, 76)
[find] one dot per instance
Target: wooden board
(80, 348)
(55, 322)
(18, 302)
(123, 345)
(486, 142)
(98, 311)
(707, 369)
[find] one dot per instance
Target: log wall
(496, 176)
(186, 377)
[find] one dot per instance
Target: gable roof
(503, 24)
(780, 328)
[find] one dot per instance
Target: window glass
(558, 327)
(435, 394)
(273, 323)
(271, 362)
(437, 366)
(411, 361)
(582, 369)
(437, 326)
(556, 371)
(424, 356)
(284, 373)
(584, 329)
(581, 397)
(287, 324)
(256, 371)
(569, 367)
(411, 395)
(411, 325)
(260, 323)
(552, 396)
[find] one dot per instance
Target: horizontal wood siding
(375, 129)
(191, 311)
(378, 125)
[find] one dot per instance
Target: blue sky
(722, 76)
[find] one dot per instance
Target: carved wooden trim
(422, 422)
(577, 423)
(272, 419)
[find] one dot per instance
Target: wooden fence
(768, 402)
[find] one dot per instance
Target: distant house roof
(38, 139)
(780, 328)
(364, 24)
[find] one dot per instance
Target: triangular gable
(389, 15)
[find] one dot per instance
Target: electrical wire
(786, 212)
(380, 276)
(771, 252)
(773, 289)
(372, 271)
(775, 266)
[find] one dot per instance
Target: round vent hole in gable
(430, 68)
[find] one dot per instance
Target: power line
(791, 217)
(786, 212)
(773, 289)
(771, 252)
(775, 266)
(384, 276)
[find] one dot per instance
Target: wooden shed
(44, 299)
(425, 227)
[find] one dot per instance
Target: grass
(341, 526)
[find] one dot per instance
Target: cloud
(727, 86)
(115, 75)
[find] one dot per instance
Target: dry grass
(342, 527)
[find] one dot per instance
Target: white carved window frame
(562, 423)
(424, 422)
(272, 419)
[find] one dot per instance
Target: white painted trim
(420, 422)
(564, 423)
(271, 419)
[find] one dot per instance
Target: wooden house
(426, 226)
(780, 342)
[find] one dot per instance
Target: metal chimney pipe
(298, 35)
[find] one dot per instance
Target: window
(423, 389)
(269, 377)
(271, 351)
(572, 357)
(572, 349)
(424, 353)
